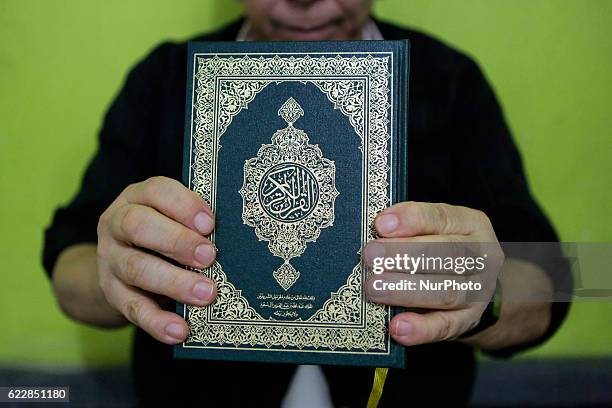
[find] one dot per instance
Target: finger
(145, 227)
(429, 254)
(148, 272)
(167, 327)
(174, 200)
(399, 289)
(410, 329)
(409, 219)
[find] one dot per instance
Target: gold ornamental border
(223, 85)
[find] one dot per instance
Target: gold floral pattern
(358, 85)
(288, 193)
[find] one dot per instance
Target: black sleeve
(126, 140)
(490, 177)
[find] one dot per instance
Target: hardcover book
(296, 147)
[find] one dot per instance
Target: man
(114, 252)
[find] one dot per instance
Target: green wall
(61, 63)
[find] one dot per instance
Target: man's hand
(156, 217)
(451, 314)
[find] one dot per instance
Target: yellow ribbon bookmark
(380, 375)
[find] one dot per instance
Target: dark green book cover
(296, 147)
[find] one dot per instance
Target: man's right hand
(156, 216)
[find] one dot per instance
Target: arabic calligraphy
(286, 313)
(285, 305)
(288, 192)
(280, 296)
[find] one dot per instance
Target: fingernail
(204, 254)
(175, 331)
(204, 223)
(387, 223)
(203, 291)
(403, 328)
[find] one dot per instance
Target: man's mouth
(308, 32)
